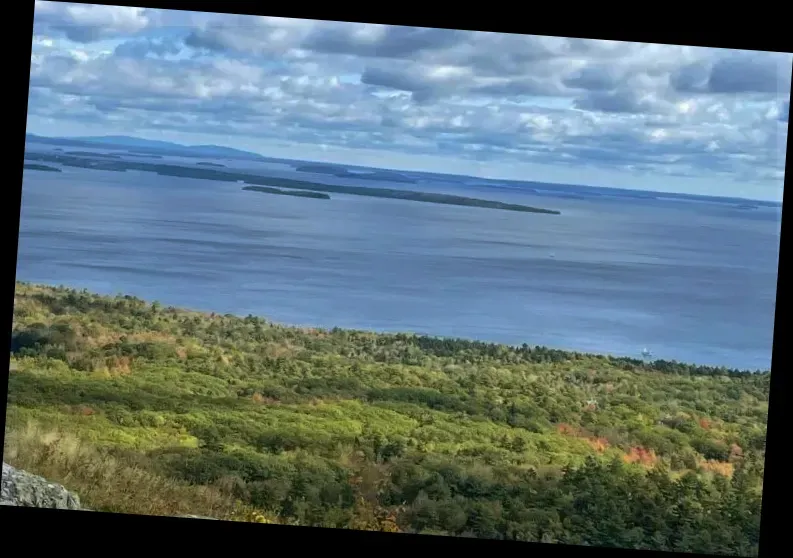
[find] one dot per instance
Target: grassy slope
(355, 429)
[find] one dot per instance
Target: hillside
(147, 146)
(395, 432)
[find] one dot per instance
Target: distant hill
(554, 190)
(147, 146)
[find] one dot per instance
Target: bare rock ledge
(20, 488)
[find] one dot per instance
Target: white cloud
(490, 100)
(87, 23)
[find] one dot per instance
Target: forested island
(81, 161)
(317, 168)
(94, 154)
(142, 408)
(296, 193)
(382, 176)
(143, 152)
(282, 183)
(46, 168)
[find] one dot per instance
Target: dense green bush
(349, 428)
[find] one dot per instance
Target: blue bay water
(692, 281)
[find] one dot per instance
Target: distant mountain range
(128, 143)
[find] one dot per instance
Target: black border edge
(141, 531)
(776, 482)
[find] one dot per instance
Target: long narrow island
(295, 193)
(225, 175)
(407, 195)
(46, 168)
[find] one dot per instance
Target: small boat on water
(646, 353)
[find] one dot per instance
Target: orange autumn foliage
(565, 428)
(598, 444)
(640, 455)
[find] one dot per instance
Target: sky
(545, 109)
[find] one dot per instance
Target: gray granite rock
(20, 488)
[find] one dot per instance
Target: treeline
(400, 432)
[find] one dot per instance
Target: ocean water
(693, 281)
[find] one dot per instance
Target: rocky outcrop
(20, 488)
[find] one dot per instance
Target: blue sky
(603, 113)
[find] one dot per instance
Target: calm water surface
(691, 281)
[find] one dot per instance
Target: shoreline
(509, 183)
(256, 180)
(659, 365)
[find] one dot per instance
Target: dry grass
(106, 483)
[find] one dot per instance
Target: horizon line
(506, 180)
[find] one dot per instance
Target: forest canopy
(397, 432)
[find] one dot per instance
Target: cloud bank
(507, 106)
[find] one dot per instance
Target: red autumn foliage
(704, 423)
